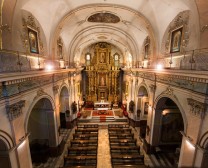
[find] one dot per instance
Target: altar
(102, 105)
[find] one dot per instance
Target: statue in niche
(102, 57)
(102, 81)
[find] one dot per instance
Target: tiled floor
(159, 160)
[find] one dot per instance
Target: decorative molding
(15, 110)
(152, 88)
(168, 91)
(181, 20)
(40, 92)
(197, 108)
(104, 17)
(55, 89)
(204, 28)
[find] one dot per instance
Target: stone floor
(103, 157)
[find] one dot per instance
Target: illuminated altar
(102, 74)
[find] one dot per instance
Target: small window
(88, 56)
(116, 57)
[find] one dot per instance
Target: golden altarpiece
(103, 74)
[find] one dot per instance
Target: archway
(41, 125)
(205, 158)
(64, 106)
(166, 136)
(142, 109)
(4, 155)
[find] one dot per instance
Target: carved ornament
(55, 89)
(40, 92)
(15, 110)
(181, 20)
(152, 88)
(197, 108)
(168, 91)
(104, 17)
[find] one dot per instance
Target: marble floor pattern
(103, 156)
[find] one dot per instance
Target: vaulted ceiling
(68, 19)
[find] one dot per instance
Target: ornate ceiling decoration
(104, 18)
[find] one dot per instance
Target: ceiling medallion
(104, 17)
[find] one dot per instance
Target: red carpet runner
(102, 119)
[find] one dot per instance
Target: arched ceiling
(138, 19)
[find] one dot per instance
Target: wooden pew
(91, 142)
(88, 126)
(80, 167)
(125, 150)
(86, 150)
(123, 140)
(119, 130)
(85, 136)
(123, 143)
(80, 161)
(130, 166)
(118, 126)
(86, 130)
(126, 159)
(121, 136)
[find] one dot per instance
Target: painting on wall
(146, 51)
(60, 52)
(146, 105)
(176, 37)
(33, 41)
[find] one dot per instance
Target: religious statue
(102, 81)
(102, 57)
(74, 107)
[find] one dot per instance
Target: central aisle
(103, 156)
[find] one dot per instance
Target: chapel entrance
(41, 125)
(4, 155)
(168, 122)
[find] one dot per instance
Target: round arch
(6, 138)
(204, 140)
(175, 100)
(33, 104)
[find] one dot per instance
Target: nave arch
(64, 108)
(6, 144)
(41, 124)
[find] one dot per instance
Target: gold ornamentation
(30, 23)
(182, 20)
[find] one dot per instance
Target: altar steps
(103, 119)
